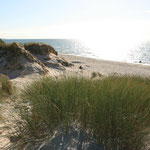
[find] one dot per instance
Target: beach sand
(107, 67)
(84, 66)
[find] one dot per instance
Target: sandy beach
(84, 66)
(107, 67)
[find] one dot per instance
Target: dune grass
(2, 42)
(9, 49)
(115, 110)
(5, 86)
(6, 90)
(39, 48)
(4, 45)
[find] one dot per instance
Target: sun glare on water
(113, 39)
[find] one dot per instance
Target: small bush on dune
(114, 109)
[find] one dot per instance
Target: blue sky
(72, 18)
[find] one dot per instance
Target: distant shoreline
(119, 61)
(108, 66)
(81, 48)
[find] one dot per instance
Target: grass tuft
(5, 85)
(6, 90)
(114, 109)
(96, 74)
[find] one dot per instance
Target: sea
(137, 52)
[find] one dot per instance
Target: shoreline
(108, 66)
(107, 60)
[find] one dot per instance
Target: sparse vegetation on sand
(8, 47)
(115, 109)
(12, 55)
(34, 48)
(40, 48)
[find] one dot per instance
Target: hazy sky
(74, 18)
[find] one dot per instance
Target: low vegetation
(4, 46)
(6, 90)
(5, 86)
(10, 50)
(114, 109)
(96, 74)
(40, 48)
(34, 48)
(2, 42)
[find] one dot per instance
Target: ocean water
(118, 51)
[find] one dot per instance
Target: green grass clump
(5, 85)
(115, 110)
(5, 90)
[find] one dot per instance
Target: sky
(76, 19)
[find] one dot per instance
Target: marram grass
(115, 110)
(6, 87)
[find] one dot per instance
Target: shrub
(114, 109)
